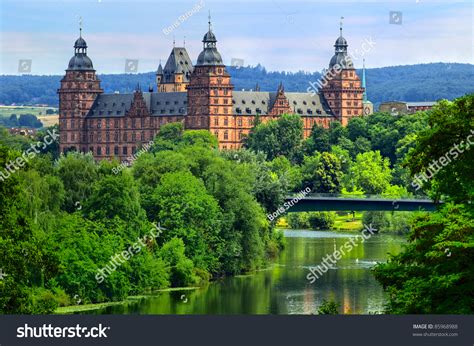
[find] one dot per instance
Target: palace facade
(201, 96)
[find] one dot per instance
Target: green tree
(277, 137)
(370, 172)
(433, 275)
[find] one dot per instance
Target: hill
(422, 82)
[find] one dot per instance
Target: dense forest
(64, 217)
(422, 82)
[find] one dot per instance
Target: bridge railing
(359, 196)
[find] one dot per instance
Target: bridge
(334, 202)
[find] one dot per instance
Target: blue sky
(280, 35)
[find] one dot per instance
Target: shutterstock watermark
(118, 259)
(131, 159)
(287, 205)
(34, 149)
(48, 331)
(328, 75)
(337, 254)
(182, 18)
(436, 165)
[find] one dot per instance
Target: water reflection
(283, 288)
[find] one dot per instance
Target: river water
(283, 287)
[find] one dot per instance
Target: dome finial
(80, 26)
(209, 17)
(340, 26)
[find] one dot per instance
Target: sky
(280, 35)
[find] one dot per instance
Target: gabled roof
(159, 104)
(178, 62)
(307, 104)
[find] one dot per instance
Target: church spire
(363, 81)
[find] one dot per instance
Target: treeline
(65, 222)
(421, 82)
(24, 120)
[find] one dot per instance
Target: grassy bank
(343, 222)
(64, 310)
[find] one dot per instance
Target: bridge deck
(322, 203)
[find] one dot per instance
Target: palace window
(124, 150)
(216, 121)
(134, 123)
(116, 123)
(142, 136)
(107, 136)
(216, 133)
(99, 124)
(107, 123)
(240, 134)
(226, 135)
(134, 137)
(107, 150)
(116, 150)
(226, 121)
(125, 139)
(116, 136)
(239, 121)
(99, 150)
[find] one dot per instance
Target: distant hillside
(423, 82)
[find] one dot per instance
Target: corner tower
(210, 94)
(79, 88)
(342, 87)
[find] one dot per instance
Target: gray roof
(169, 103)
(178, 62)
(158, 103)
(175, 104)
(308, 104)
(421, 104)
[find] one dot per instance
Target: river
(283, 288)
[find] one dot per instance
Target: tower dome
(209, 56)
(340, 56)
(80, 43)
(80, 61)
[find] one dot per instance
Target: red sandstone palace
(201, 96)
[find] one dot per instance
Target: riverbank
(344, 223)
(64, 310)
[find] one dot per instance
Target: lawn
(40, 112)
